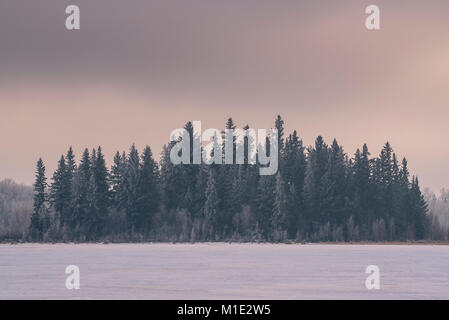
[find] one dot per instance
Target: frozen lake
(223, 271)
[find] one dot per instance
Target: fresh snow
(223, 271)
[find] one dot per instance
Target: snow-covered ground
(223, 271)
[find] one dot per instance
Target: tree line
(320, 193)
(15, 209)
(438, 205)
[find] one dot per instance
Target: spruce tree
(279, 125)
(418, 211)
(40, 217)
(316, 194)
(280, 208)
(362, 189)
(402, 202)
(131, 183)
(293, 173)
(116, 178)
(264, 206)
(333, 186)
(71, 168)
(250, 174)
(313, 193)
(58, 192)
(81, 196)
(99, 188)
(172, 183)
(68, 185)
(382, 178)
(211, 221)
(147, 191)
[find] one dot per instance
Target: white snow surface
(223, 271)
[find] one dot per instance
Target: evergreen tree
(250, 174)
(362, 190)
(279, 125)
(99, 195)
(333, 186)
(131, 183)
(71, 168)
(418, 211)
(58, 192)
(317, 194)
(293, 172)
(117, 180)
(40, 218)
(280, 208)
(171, 181)
(385, 166)
(313, 192)
(402, 201)
(187, 176)
(81, 196)
(382, 177)
(211, 221)
(225, 185)
(264, 206)
(230, 126)
(147, 191)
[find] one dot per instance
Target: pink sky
(139, 69)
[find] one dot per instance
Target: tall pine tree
(40, 219)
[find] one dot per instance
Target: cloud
(146, 67)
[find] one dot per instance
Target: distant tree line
(319, 193)
(438, 213)
(16, 203)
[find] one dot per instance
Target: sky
(138, 69)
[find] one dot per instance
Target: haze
(139, 69)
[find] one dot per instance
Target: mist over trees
(438, 206)
(320, 193)
(16, 203)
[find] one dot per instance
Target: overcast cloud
(139, 69)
